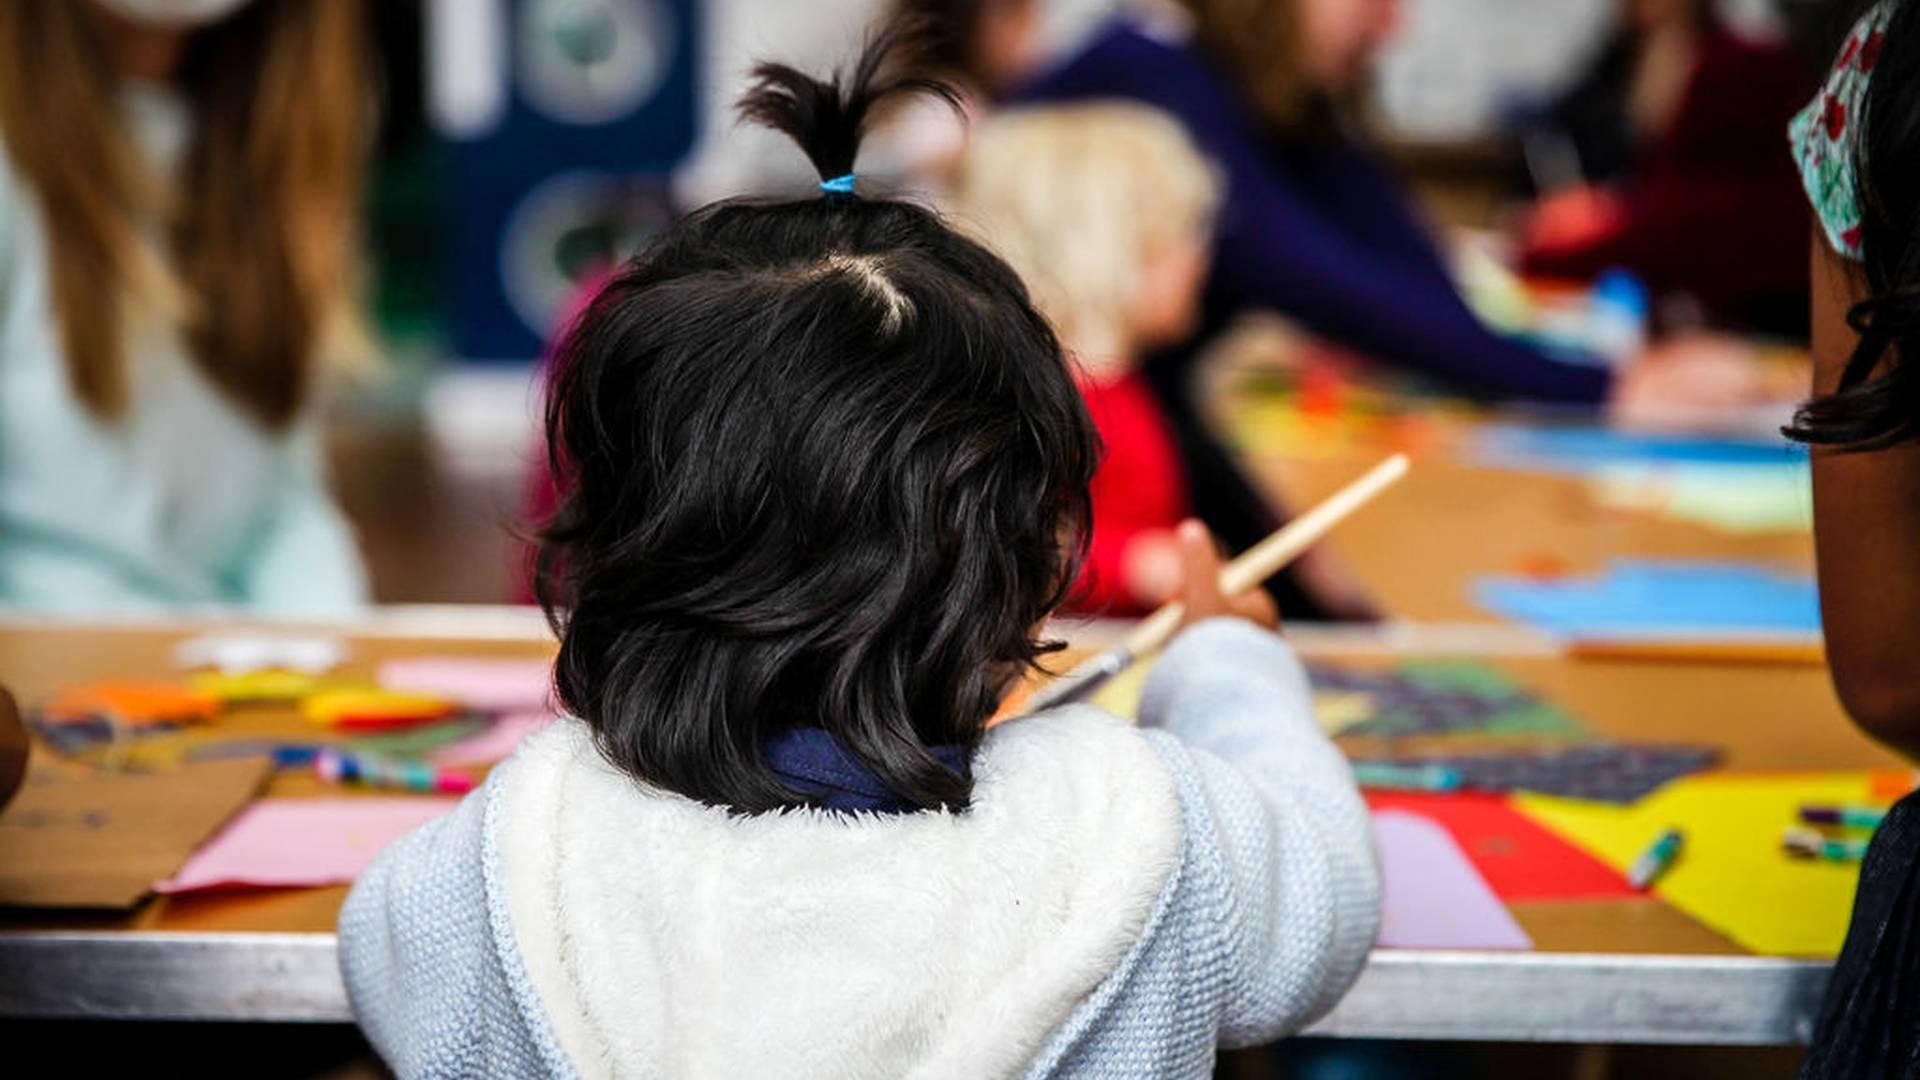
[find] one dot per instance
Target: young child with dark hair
(826, 477)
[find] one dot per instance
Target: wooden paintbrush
(1256, 565)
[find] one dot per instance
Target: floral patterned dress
(1824, 133)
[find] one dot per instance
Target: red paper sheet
(1519, 859)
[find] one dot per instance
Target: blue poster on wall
(563, 119)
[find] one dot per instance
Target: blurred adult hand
(1691, 382)
(1572, 219)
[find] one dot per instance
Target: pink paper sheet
(302, 842)
(1433, 897)
(486, 684)
(493, 745)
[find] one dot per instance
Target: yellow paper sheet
(1731, 874)
(1335, 710)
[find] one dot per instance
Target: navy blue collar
(813, 761)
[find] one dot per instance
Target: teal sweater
(185, 501)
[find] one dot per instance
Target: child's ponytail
(828, 118)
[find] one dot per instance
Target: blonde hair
(259, 228)
(1076, 198)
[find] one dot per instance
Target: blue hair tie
(839, 185)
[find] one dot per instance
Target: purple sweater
(1316, 229)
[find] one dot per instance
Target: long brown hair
(259, 224)
(1259, 43)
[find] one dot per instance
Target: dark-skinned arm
(1866, 509)
(13, 748)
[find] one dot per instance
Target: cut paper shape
(77, 838)
(1519, 859)
(417, 742)
(1534, 448)
(239, 654)
(494, 744)
(1660, 599)
(1731, 874)
(281, 843)
(489, 685)
(1734, 499)
(1120, 695)
(1444, 698)
(366, 709)
(1603, 772)
(256, 687)
(1431, 896)
(133, 704)
(1336, 710)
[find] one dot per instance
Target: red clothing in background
(1713, 206)
(540, 494)
(1139, 486)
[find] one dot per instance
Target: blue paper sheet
(1585, 449)
(1659, 599)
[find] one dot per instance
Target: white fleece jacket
(1118, 901)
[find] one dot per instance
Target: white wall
(1457, 60)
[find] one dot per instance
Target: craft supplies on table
(1733, 876)
(1662, 600)
(1431, 895)
(287, 843)
(1657, 859)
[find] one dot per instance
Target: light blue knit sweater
(1256, 923)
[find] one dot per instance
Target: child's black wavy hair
(1878, 404)
(821, 464)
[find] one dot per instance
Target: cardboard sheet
(74, 838)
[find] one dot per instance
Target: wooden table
(1634, 971)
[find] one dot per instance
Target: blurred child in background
(1672, 143)
(1107, 212)
(178, 207)
(826, 478)
(1314, 226)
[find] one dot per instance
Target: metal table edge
(1402, 994)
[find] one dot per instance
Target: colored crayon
(1656, 860)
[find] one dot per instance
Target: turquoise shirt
(185, 502)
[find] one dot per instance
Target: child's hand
(1153, 568)
(1200, 591)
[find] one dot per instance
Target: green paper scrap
(1737, 499)
(416, 742)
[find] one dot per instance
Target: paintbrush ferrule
(1082, 681)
